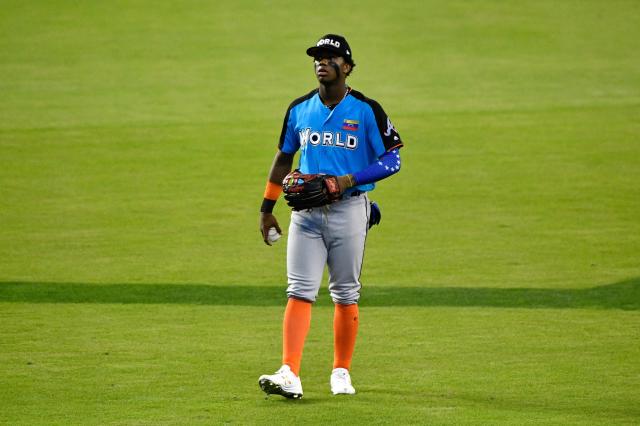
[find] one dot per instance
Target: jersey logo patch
(350, 125)
(390, 128)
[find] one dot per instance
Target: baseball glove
(306, 191)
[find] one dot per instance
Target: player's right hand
(268, 221)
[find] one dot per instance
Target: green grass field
(502, 287)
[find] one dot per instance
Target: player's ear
(346, 68)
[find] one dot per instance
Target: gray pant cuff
(303, 299)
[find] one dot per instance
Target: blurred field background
(503, 285)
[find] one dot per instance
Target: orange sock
(297, 319)
(345, 329)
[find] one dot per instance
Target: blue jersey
(339, 140)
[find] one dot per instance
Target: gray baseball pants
(332, 235)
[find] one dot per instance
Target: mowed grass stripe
(624, 295)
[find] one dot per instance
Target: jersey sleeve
(385, 129)
(288, 142)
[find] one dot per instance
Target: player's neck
(332, 94)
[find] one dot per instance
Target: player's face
(329, 67)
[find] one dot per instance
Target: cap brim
(313, 50)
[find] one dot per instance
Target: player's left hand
(307, 191)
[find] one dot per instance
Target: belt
(352, 194)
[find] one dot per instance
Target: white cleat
(341, 382)
(284, 382)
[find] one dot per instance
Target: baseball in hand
(273, 235)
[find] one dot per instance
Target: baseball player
(346, 142)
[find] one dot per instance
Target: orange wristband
(272, 191)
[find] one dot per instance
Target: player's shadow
(620, 295)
